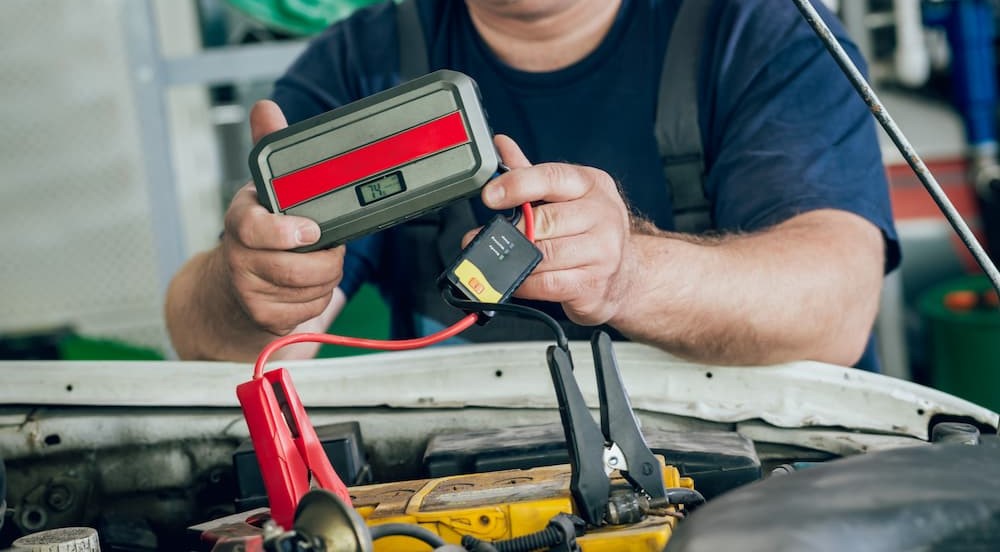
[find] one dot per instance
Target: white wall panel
(77, 241)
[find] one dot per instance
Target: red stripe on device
(349, 167)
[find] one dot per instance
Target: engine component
(955, 432)
(342, 444)
(491, 507)
(496, 506)
(65, 539)
(717, 460)
(58, 502)
(928, 497)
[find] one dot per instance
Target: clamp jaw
(617, 445)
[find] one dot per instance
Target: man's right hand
(229, 302)
(278, 289)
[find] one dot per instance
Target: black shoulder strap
(677, 131)
(412, 47)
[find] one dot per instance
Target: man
(793, 173)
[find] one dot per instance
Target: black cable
(562, 528)
(902, 144)
(673, 496)
(685, 496)
(406, 530)
(542, 540)
(519, 310)
(472, 544)
(515, 216)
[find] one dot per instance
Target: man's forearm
(805, 289)
(206, 321)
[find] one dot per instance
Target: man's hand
(806, 288)
(581, 227)
(278, 289)
(229, 302)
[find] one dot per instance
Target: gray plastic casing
(431, 182)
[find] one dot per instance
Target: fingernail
(493, 195)
(307, 234)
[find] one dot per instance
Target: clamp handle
(619, 423)
(589, 485)
(286, 444)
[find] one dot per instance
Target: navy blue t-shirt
(783, 131)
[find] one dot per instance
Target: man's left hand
(582, 228)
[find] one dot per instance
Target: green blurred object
(63, 343)
(964, 339)
(75, 347)
(365, 315)
(299, 17)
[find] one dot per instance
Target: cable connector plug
(492, 266)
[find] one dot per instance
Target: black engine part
(939, 497)
(342, 443)
(717, 460)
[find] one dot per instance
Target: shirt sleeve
(793, 135)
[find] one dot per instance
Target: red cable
(361, 342)
(529, 222)
(384, 345)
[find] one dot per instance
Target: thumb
(510, 152)
(265, 118)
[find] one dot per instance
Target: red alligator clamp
(286, 444)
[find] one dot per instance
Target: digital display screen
(374, 190)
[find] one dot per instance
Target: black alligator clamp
(617, 445)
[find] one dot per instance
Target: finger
(574, 290)
(572, 252)
(469, 236)
(244, 201)
(556, 220)
(549, 182)
(555, 286)
(294, 295)
(265, 118)
(254, 227)
(281, 318)
(512, 157)
(264, 230)
(569, 218)
(298, 270)
(510, 152)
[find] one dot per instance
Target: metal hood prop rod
(902, 144)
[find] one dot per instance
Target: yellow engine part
(498, 506)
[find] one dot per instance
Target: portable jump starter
(379, 161)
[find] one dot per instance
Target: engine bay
(153, 466)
